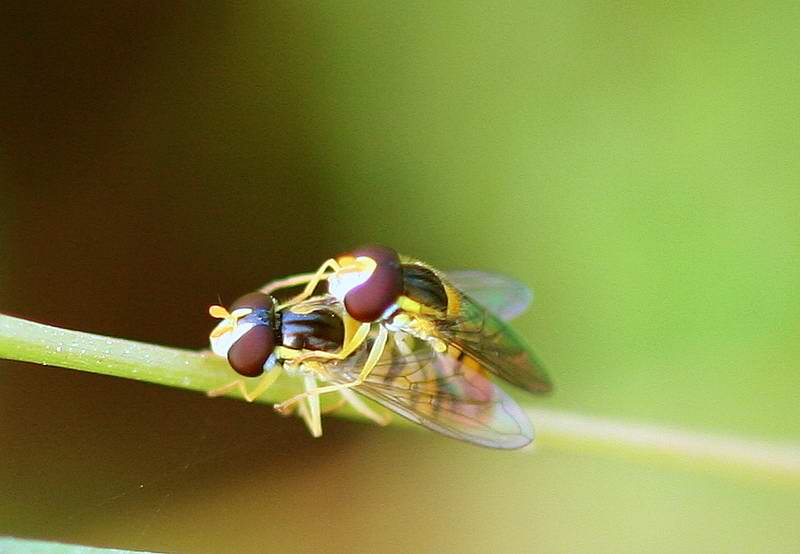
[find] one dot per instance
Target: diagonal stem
(27, 341)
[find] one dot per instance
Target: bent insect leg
(314, 420)
(348, 348)
(348, 397)
(287, 283)
(309, 409)
(352, 399)
(374, 355)
(362, 408)
(311, 280)
(239, 384)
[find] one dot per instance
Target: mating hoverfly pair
(396, 331)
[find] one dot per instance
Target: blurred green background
(636, 164)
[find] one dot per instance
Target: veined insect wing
(442, 392)
(479, 333)
(504, 296)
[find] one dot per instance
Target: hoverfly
(408, 337)
(257, 335)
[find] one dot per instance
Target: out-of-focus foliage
(636, 164)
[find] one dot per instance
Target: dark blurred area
(143, 178)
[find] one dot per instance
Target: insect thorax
(318, 330)
(423, 286)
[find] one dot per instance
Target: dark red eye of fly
(368, 301)
(248, 354)
(253, 300)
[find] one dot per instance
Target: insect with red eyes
(257, 335)
(408, 337)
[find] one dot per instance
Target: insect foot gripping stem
(264, 384)
(308, 408)
(374, 355)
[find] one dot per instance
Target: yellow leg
(309, 410)
(314, 420)
(312, 281)
(374, 355)
(358, 339)
(314, 426)
(263, 385)
(302, 410)
(355, 401)
(361, 407)
(287, 282)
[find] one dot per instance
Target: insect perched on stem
(396, 331)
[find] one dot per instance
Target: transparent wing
(503, 296)
(449, 393)
(495, 345)
(475, 330)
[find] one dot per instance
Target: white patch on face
(221, 344)
(340, 285)
(345, 280)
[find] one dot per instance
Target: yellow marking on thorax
(453, 300)
(286, 353)
(408, 305)
(412, 306)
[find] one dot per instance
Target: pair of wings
(451, 392)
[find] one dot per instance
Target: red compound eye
(248, 354)
(254, 300)
(369, 300)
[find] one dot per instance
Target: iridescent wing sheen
(448, 393)
(503, 296)
(475, 330)
(494, 344)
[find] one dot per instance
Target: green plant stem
(27, 341)
(11, 545)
